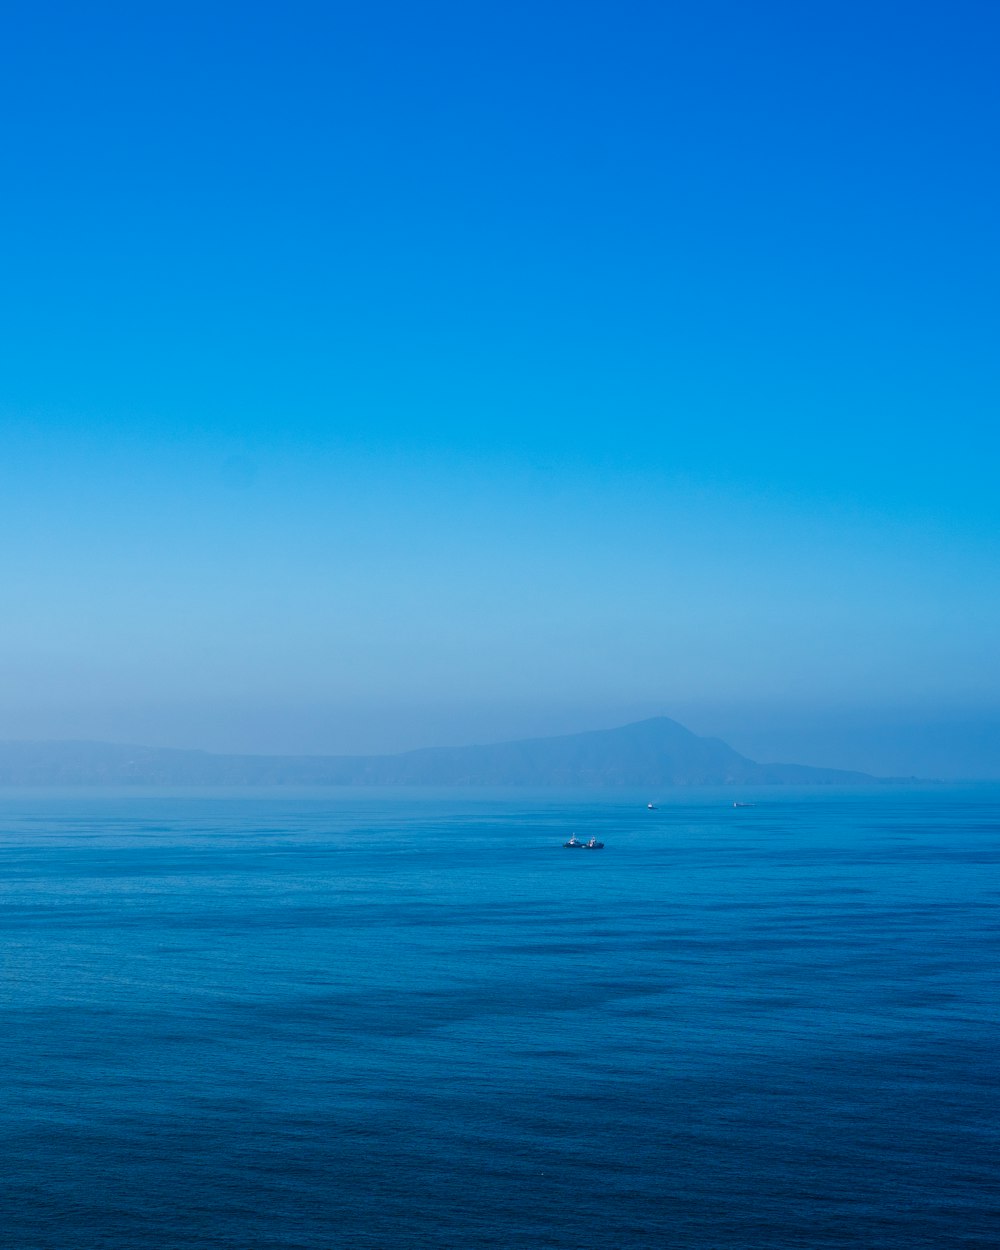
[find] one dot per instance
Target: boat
(593, 845)
(574, 844)
(650, 807)
(744, 805)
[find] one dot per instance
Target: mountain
(650, 754)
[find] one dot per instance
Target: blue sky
(386, 374)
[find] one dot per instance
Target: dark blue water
(413, 1021)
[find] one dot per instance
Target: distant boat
(574, 844)
(651, 807)
(744, 805)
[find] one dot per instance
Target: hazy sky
(376, 375)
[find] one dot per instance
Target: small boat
(650, 807)
(574, 844)
(744, 805)
(593, 845)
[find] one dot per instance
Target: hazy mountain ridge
(651, 753)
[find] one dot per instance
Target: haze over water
(415, 1020)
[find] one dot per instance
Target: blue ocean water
(231, 1022)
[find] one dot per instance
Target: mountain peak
(654, 753)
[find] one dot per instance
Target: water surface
(413, 1020)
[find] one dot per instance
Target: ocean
(249, 1020)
